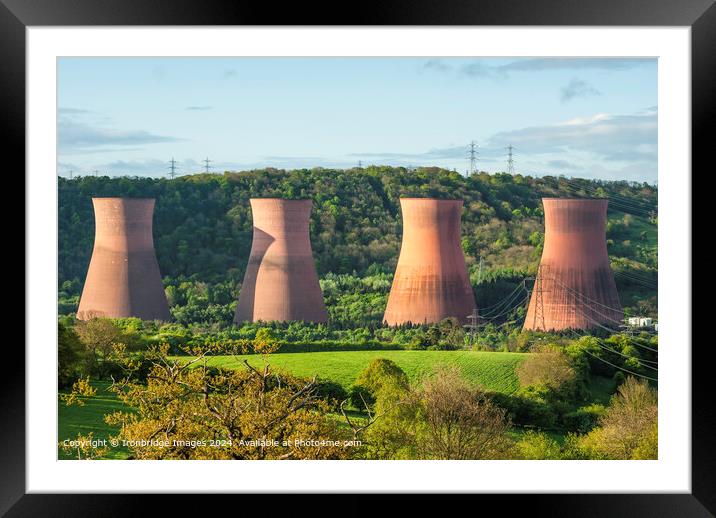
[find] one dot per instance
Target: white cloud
(77, 134)
(608, 137)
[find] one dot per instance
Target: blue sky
(584, 117)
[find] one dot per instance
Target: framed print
(419, 251)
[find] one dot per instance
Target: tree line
(203, 231)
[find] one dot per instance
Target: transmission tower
(510, 161)
(206, 164)
(472, 155)
(360, 164)
(473, 326)
(539, 300)
(172, 168)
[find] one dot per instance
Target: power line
(595, 323)
(617, 199)
(206, 164)
(489, 308)
(620, 368)
(582, 295)
(600, 343)
(508, 310)
(618, 202)
(499, 308)
(638, 280)
(592, 321)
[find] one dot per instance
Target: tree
(451, 334)
(445, 418)
(547, 367)
(99, 336)
(382, 375)
(459, 421)
(70, 356)
(189, 410)
(628, 430)
(355, 228)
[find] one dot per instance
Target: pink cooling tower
(123, 279)
(431, 281)
(281, 283)
(575, 287)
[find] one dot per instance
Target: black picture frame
(700, 15)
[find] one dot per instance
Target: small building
(640, 322)
(645, 322)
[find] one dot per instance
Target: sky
(578, 117)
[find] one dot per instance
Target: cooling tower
(123, 279)
(431, 281)
(281, 283)
(575, 287)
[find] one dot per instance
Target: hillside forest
(203, 229)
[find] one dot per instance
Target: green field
(89, 418)
(491, 370)
(494, 371)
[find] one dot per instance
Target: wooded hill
(202, 226)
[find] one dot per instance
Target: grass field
(493, 371)
(89, 418)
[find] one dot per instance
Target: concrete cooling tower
(575, 287)
(281, 283)
(123, 279)
(431, 281)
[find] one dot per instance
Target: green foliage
(71, 356)
(332, 392)
(379, 378)
(535, 445)
(202, 229)
(628, 429)
(444, 417)
(584, 418)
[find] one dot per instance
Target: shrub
(628, 428)
(382, 374)
(534, 445)
(583, 419)
(527, 407)
(332, 392)
(360, 396)
(548, 367)
(459, 421)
